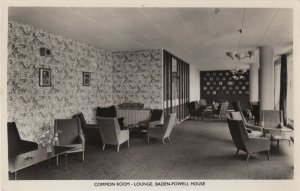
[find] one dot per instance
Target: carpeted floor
(198, 150)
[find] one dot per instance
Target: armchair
(255, 111)
(16, 145)
(163, 131)
(244, 142)
(90, 131)
(110, 132)
(221, 110)
(195, 110)
(71, 135)
(110, 112)
(237, 107)
(154, 119)
(252, 130)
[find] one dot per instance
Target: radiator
(132, 116)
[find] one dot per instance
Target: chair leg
(57, 160)
(128, 143)
(103, 147)
(248, 156)
(148, 139)
(118, 148)
(268, 154)
(163, 141)
(169, 139)
(237, 152)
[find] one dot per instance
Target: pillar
(266, 78)
(253, 78)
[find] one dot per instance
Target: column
(253, 78)
(266, 78)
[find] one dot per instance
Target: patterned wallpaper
(32, 106)
(138, 77)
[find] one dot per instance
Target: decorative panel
(219, 85)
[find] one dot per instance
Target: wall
(31, 106)
(138, 77)
(194, 83)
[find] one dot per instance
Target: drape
(283, 87)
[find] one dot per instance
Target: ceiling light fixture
(240, 55)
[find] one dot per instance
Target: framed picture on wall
(45, 77)
(86, 78)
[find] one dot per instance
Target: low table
(24, 160)
(283, 134)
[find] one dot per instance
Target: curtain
(290, 89)
(277, 85)
(283, 87)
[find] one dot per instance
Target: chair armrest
(249, 130)
(82, 139)
(29, 144)
(154, 123)
(254, 127)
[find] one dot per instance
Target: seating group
(75, 132)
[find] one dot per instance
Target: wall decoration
(86, 76)
(45, 77)
(224, 88)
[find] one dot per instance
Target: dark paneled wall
(219, 85)
(176, 104)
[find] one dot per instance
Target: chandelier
(239, 74)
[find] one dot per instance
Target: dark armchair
(154, 119)
(16, 145)
(110, 112)
(195, 110)
(71, 135)
(91, 131)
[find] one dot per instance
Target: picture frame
(86, 77)
(44, 77)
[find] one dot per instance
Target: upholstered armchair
(155, 118)
(71, 135)
(195, 110)
(255, 111)
(244, 142)
(91, 131)
(273, 120)
(221, 110)
(16, 145)
(162, 131)
(111, 133)
(252, 130)
(110, 112)
(237, 107)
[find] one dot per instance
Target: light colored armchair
(252, 130)
(162, 131)
(111, 133)
(71, 135)
(244, 142)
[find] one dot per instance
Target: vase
(49, 148)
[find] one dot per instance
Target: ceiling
(200, 36)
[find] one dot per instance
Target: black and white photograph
(86, 78)
(45, 77)
(181, 95)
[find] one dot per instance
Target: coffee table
(282, 134)
(24, 160)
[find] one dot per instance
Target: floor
(198, 150)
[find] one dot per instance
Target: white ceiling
(199, 36)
